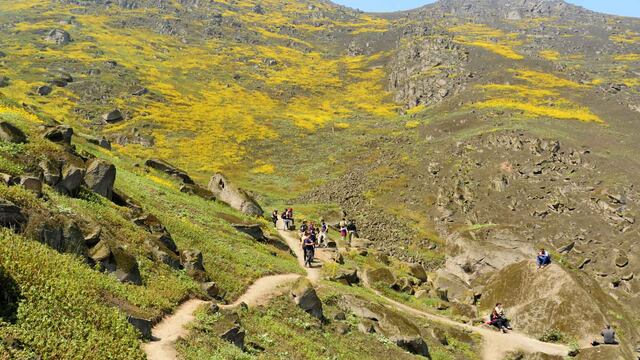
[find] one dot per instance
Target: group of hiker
(312, 236)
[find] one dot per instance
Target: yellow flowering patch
(550, 55)
(629, 37)
(483, 36)
(627, 57)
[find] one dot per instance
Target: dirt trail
(495, 344)
(169, 330)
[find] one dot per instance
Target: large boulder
(231, 330)
(31, 183)
(127, 270)
(165, 167)
(100, 177)
(526, 293)
(346, 277)
(417, 271)
(63, 237)
(58, 36)
(255, 231)
(158, 231)
(304, 295)
(72, 173)
(161, 253)
(456, 288)
(388, 323)
(381, 276)
(144, 326)
(10, 215)
(10, 133)
(237, 198)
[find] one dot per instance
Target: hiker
(285, 219)
(608, 337)
(308, 246)
(352, 230)
(290, 216)
(343, 229)
(323, 235)
(303, 229)
(543, 258)
(274, 219)
(499, 319)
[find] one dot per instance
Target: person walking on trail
(285, 220)
(543, 259)
(304, 229)
(290, 216)
(352, 230)
(343, 229)
(308, 247)
(608, 337)
(323, 235)
(499, 319)
(274, 219)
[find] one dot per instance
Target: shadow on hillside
(9, 297)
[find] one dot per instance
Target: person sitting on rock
(608, 337)
(323, 235)
(274, 219)
(543, 258)
(499, 319)
(308, 247)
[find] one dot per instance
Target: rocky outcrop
(193, 264)
(127, 270)
(58, 37)
(388, 323)
(59, 134)
(10, 133)
(380, 276)
(100, 177)
(11, 216)
(165, 167)
(305, 297)
(237, 198)
(159, 232)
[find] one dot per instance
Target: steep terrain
(462, 137)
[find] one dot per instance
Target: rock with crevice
(59, 134)
(305, 297)
(234, 196)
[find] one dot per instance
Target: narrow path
(495, 344)
(169, 330)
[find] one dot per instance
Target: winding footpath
(165, 334)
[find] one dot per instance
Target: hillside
(461, 136)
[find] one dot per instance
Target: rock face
(165, 167)
(527, 293)
(237, 198)
(389, 324)
(72, 177)
(379, 276)
(63, 237)
(143, 326)
(58, 36)
(10, 133)
(100, 177)
(193, 263)
(304, 295)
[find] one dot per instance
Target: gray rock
(379, 276)
(31, 183)
(127, 270)
(58, 36)
(192, 262)
(112, 116)
(234, 335)
(102, 142)
(10, 215)
(165, 167)
(10, 133)
(162, 254)
(418, 272)
(59, 134)
(143, 326)
(210, 288)
(72, 178)
(304, 295)
(255, 231)
(44, 90)
(237, 198)
(346, 277)
(51, 170)
(100, 177)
